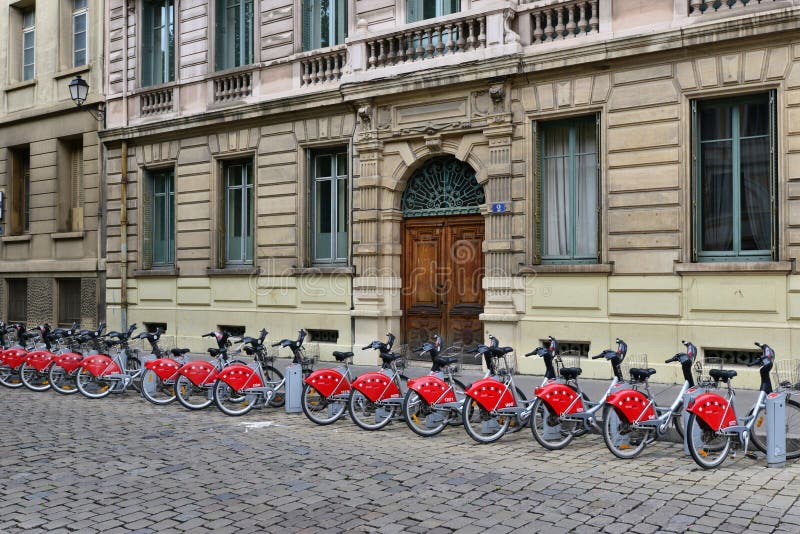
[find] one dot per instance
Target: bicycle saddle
(215, 352)
(445, 360)
(390, 356)
(571, 373)
(722, 375)
(342, 356)
(642, 374)
(179, 352)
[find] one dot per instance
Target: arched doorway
(443, 266)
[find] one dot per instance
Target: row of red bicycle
(97, 364)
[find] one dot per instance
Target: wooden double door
(443, 272)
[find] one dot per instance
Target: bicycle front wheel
(482, 426)
(708, 447)
(33, 379)
(759, 433)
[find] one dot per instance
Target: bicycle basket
(633, 361)
(310, 354)
(786, 375)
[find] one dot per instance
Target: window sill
(16, 238)
(67, 235)
(65, 73)
(784, 267)
(154, 273)
(20, 85)
(568, 268)
(233, 271)
(331, 269)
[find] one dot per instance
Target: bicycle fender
(199, 372)
(13, 357)
(632, 405)
(240, 377)
(491, 394)
(376, 386)
(39, 359)
(164, 368)
(432, 389)
(328, 382)
(68, 361)
(100, 365)
(713, 410)
(560, 398)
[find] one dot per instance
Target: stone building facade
(583, 169)
(51, 163)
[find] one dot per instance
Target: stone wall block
(41, 300)
(89, 302)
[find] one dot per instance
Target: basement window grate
(574, 348)
(151, 327)
(731, 356)
(323, 336)
(234, 330)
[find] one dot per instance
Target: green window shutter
(147, 44)
(76, 190)
(308, 25)
(147, 222)
(538, 146)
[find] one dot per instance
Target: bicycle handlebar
(598, 356)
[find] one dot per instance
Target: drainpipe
(123, 236)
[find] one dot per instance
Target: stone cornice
(716, 32)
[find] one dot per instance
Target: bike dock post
(687, 398)
(776, 429)
(294, 387)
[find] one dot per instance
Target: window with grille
(28, 44)
(152, 327)
(69, 302)
(329, 192)
(234, 33)
(324, 23)
(577, 348)
(730, 356)
(234, 330)
(17, 300)
(158, 219)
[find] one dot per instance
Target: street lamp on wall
(79, 91)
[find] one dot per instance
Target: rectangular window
(158, 42)
(568, 188)
(19, 195)
(329, 207)
(69, 302)
(28, 44)
(76, 188)
(17, 300)
(234, 33)
(239, 212)
(324, 23)
(735, 178)
(159, 220)
(79, 34)
(417, 10)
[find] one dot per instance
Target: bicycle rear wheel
(481, 425)
(707, 447)
(366, 414)
(319, 409)
(420, 417)
(33, 379)
(548, 429)
(274, 376)
(230, 402)
(92, 387)
(759, 434)
(61, 380)
(622, 438)
(156, 390)
(10, 377)
(191, 396)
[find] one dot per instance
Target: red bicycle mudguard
(491, 394)
(432, 389)
(632, 405)
(376, 386)
(328, 382)
(164, 368)
(39, 359)
(68, 361)
(560, 398)
(13, 357)
(240, 377)
(714, 410)
(100, 365)
(199, 372)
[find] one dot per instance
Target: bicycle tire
(759, 438)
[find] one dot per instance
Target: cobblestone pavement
(121, 464)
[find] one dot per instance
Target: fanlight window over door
(444, 186)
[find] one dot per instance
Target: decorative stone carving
(434, 143)
(498, 95)
(384, 117)
(510, 36)
(365, 116)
